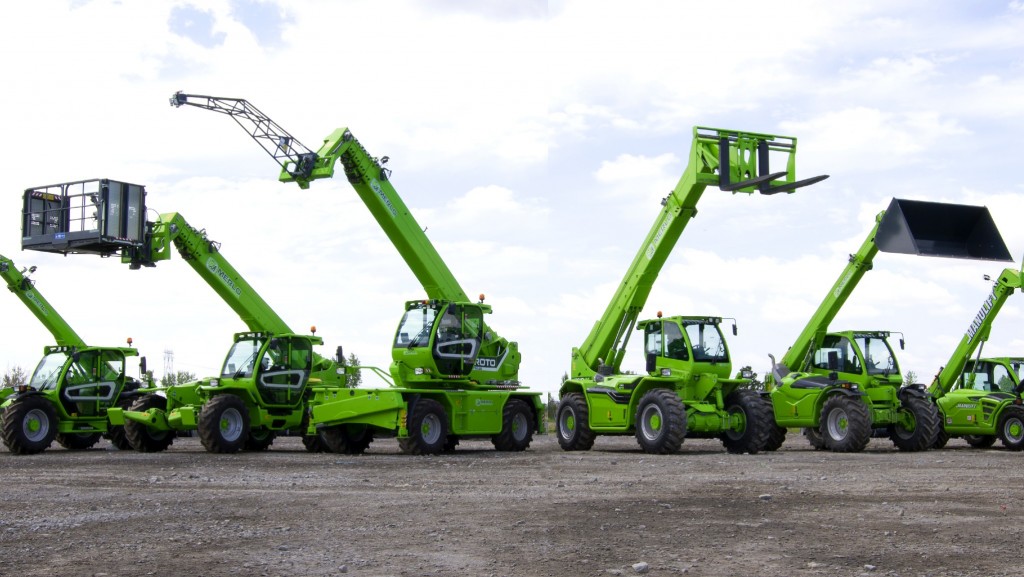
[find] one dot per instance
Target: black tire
(347, 439)
(776, 437)
(845, 424)
(573, 421)
(260, 439)
(78, 441)
(115, 433)
(517, 426)
(942, 437)
(143, 438)
(428, 429)
(312, 443)
(28, 425)
(1011, 428)
(660, 422)
(758, 418)
(926, 425)
(815, 438)
(980, 441)
(224, 424)
(450, 443)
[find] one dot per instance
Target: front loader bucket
(939, 229)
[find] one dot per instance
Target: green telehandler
(687, 389)
(980, 399)
(72, 388)
(270, 375)
(840, 386)
(452, 377)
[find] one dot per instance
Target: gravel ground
(610, 511)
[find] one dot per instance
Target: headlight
(214, 382)
(666, 372)
(418, 371)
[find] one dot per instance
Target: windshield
(878, 357)
(242, 358)
(48, 371)
(707, 342)
(415, 328)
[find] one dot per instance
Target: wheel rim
(906, 425)
(430, 429)
(736, 431)
(651, 422)
(231, 424)
(519, 426)
(1014, 430)
(36, 425)
(838, 424)
(567, 424)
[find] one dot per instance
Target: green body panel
(470, 413)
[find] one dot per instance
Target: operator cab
(451, 333)
(990, 376)
(680, 342)
(280, 364)
(86, 381)
(861, 353)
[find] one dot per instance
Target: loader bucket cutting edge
(940, 229)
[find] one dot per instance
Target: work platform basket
(98, 216)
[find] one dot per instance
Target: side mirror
(339, 354)
(734, 333)
(142, 366)
(652, 362)
(901, 343)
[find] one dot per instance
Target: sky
(533, 140)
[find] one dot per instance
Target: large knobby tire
(1011, 428)
(347, 439)
(660, 422)
(142, 437)
(517, 425)
(313, 443)
(224, 424)
(980, 441)
(942, 437)
(428, 429)
(926, 425)
(573, 421)
(28, 425)
(758, 422)
(845, 424)
(814, 437)
(260, 439)
(115, 433)
(776, 437)
(78, 441)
